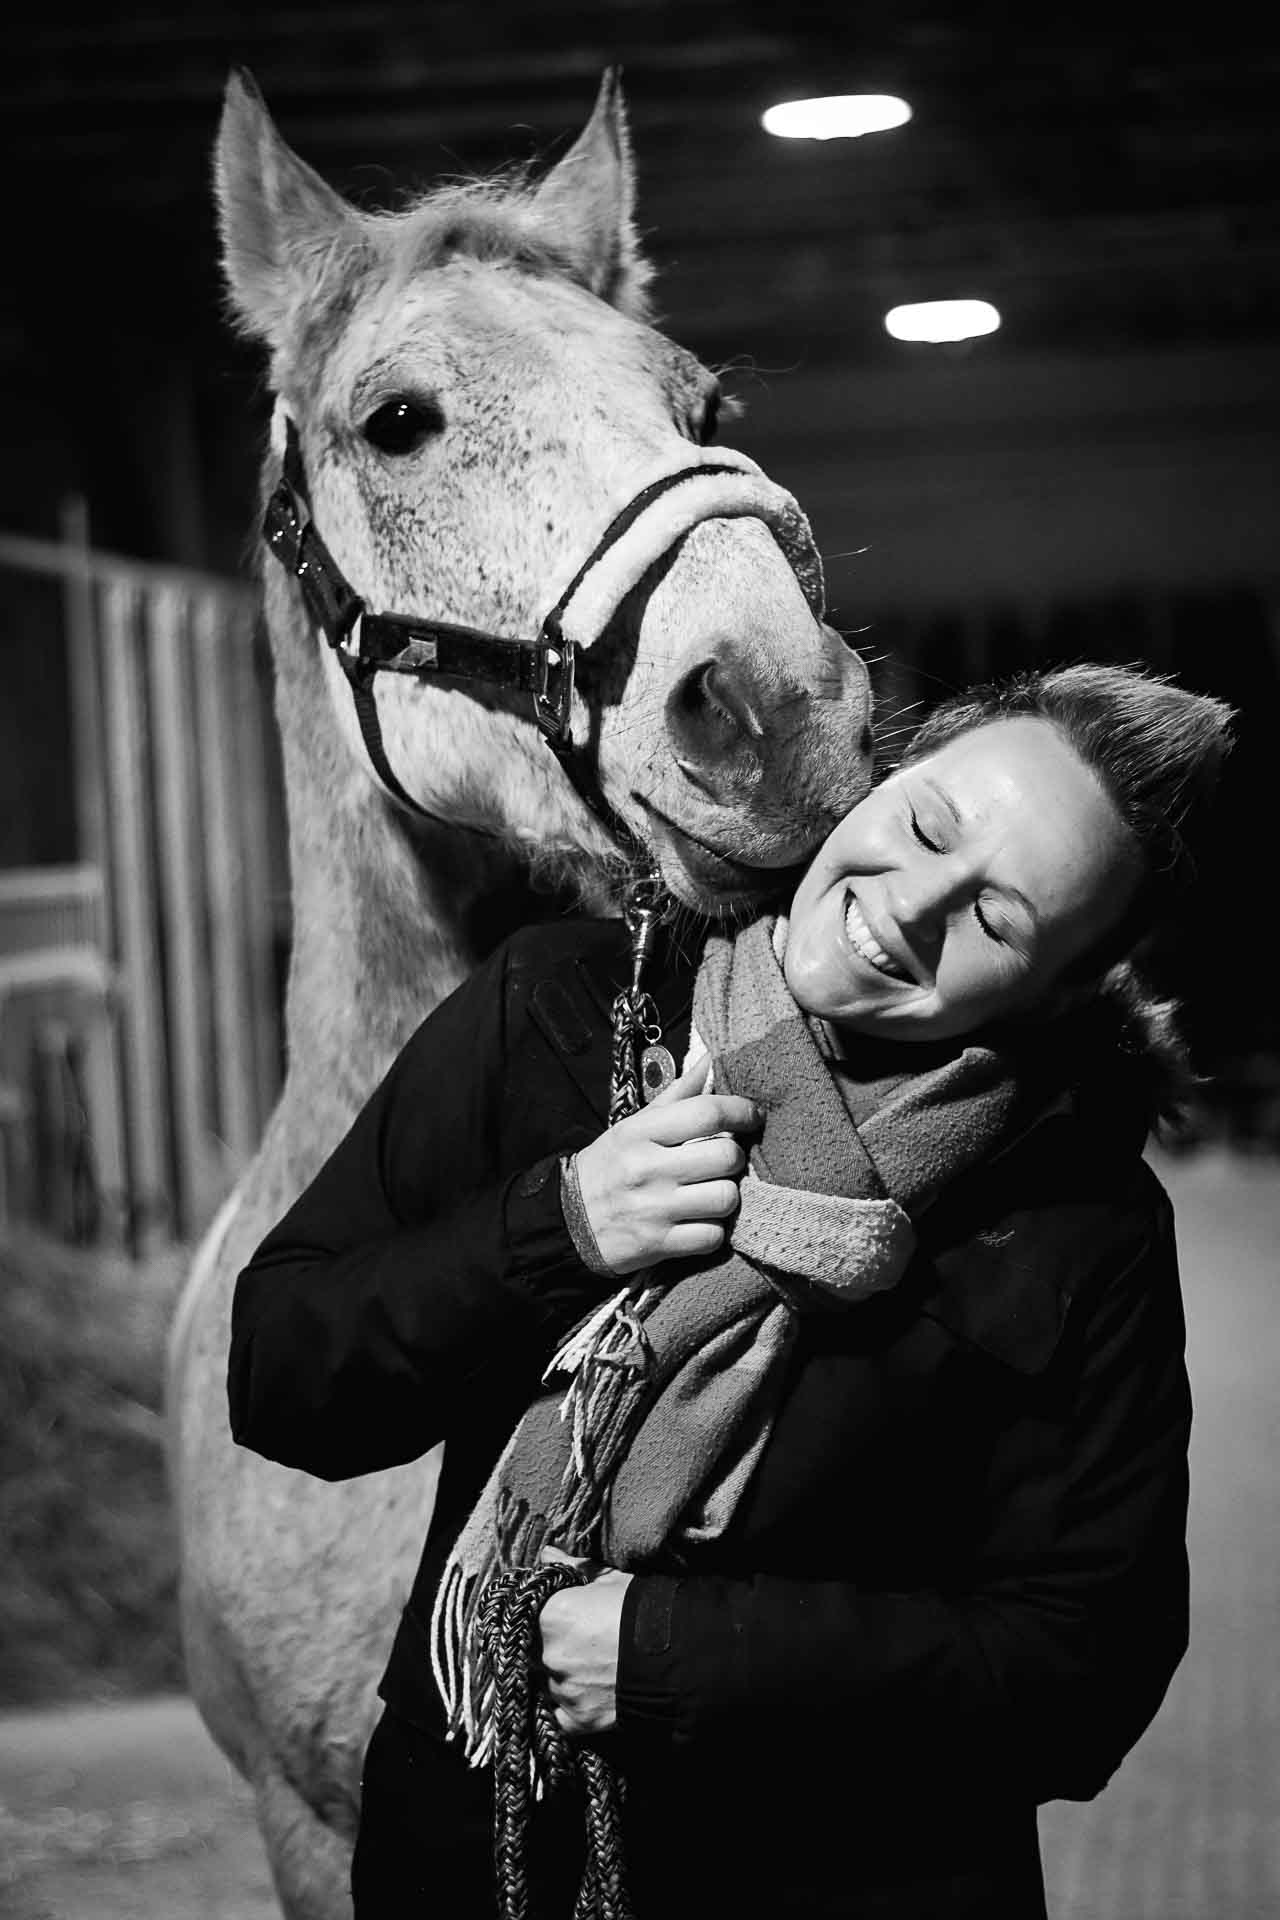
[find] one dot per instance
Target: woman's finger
(698, 1116)
(685, 1086)
(552, 1555)
(707, 1200)
(689, 1239)
(719, 1158)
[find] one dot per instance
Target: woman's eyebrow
(1020, 899)
(946, 802)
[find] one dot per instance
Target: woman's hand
(659, 1184)
(581, 1628)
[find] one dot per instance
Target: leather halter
(545, 669)
(367, 644)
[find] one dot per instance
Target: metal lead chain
(640, 1065)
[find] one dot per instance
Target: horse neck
(389, 915)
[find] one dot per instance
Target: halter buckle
(553, 682)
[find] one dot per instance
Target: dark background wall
(1099, 477)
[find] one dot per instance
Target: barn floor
(127, 1813)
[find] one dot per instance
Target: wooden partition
(168, 746)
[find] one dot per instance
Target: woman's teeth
(865, 944)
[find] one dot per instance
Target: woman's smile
(866, 946)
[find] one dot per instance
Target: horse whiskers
(888, 737)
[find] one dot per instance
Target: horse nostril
(865, 741)
(726, 695)
(715, 727)
(713, 708)
(691, 694)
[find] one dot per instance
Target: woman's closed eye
(926, 840)
(992, 931)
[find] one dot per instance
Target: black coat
(957, 1586)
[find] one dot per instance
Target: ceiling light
(937, 320)
(835, 116)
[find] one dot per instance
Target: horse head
(476, 390)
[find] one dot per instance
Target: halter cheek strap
(366, 644)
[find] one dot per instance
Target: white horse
(474, 392)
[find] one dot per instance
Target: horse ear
(281, 224)
(587, 200)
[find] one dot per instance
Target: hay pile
(87, 1553)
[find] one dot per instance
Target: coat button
(536, 1179)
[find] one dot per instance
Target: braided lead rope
(528, 1742)
(603, 1894)
(529, 1746)
(624, 1080)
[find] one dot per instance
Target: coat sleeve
(1039, 1665)
(414, 1271)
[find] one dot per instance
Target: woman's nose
(919, 898)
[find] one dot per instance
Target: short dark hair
(1157, 750)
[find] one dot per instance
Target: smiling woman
(850, 1372)
(962, 888)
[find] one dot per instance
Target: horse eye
(402, 426)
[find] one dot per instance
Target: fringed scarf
(661, 1403)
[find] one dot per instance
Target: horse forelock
(499, 220)
(486, 220)
(493, 222)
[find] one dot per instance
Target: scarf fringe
(608, 1358)
(461, 1653)
(456, 1675)
(610, 1362)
